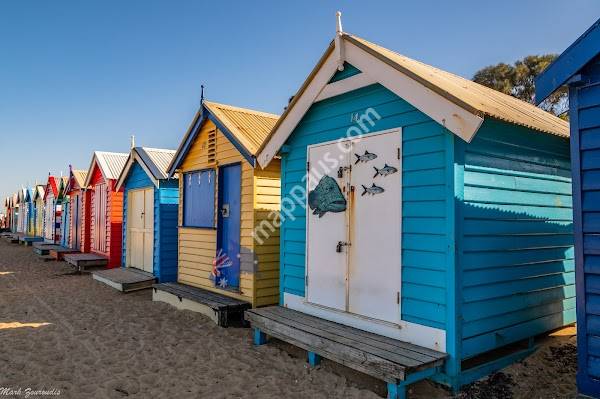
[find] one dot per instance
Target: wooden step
(125, 279)
(387, 359)
(222, 309)
(83, 261)
(59, 253)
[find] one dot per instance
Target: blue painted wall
(425, 255)
(515, 246)
(487, 246)
(166, 198)
(585, 141)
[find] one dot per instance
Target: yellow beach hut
(228, 250)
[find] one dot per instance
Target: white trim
(302, 105)
(417, 334)
(345, 85)
(453, 117)
(133, 156)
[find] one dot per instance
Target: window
(199, 198)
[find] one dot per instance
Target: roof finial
(339, 42)
(201, 94)
(132, 141)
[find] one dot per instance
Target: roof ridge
(243, 110)
(157, 149)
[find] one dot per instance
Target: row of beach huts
(397, 219)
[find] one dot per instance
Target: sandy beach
(64, 331)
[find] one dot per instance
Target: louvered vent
(212, 146)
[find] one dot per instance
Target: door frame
(127, 227)
(327, 309)
(219, 223)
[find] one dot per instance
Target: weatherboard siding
(426, 156)
(166, 200)
(267, 188)
(198, 246)
(585, 139)
(515, 250)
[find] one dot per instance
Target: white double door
(140, 229)
(353, 252)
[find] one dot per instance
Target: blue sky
(82, 76)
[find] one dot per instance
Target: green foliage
(518, 80)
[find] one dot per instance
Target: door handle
(225, 210)
(340, 245)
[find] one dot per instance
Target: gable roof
(110, 163)
(38, 192)
(76, 179)
(52, 185)
(246, 129)
(569, 63)
(457, 103)
(154, 161)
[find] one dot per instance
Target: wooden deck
(13, 238)
(125, 280)
(87, 260)
(29, 240)
(42, 248)
(222, 309)
(396, 362)
(58, 252)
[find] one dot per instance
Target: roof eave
(573, 59)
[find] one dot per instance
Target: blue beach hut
(150, 205)
(425, 220)
(578, 67)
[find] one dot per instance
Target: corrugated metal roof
(467, 94)
(80, 176)
(157, 160)
(251, 128)
(39, 191)
(111, 163)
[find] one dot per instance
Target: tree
(518, 80)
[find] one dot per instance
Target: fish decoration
(373, 190)
(386, 170)
(326, 197)
(366, 157)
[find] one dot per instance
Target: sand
(64, 331)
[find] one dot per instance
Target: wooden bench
(81, 261)
(125, 280)
(396, 362)
(222, 309)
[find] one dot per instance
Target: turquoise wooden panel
(516, 268)
(349, 70)
(424, 202)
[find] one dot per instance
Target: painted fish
(372, 190)
(326, 197)
(386, 170)
(366, 157)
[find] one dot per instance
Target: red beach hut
(105, 206)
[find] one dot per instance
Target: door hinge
(306, 281)
(308, 166)
(398, 153)
(398, 297)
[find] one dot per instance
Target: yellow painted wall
(198, 246)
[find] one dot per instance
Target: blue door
(65, 224)
(227, 260)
